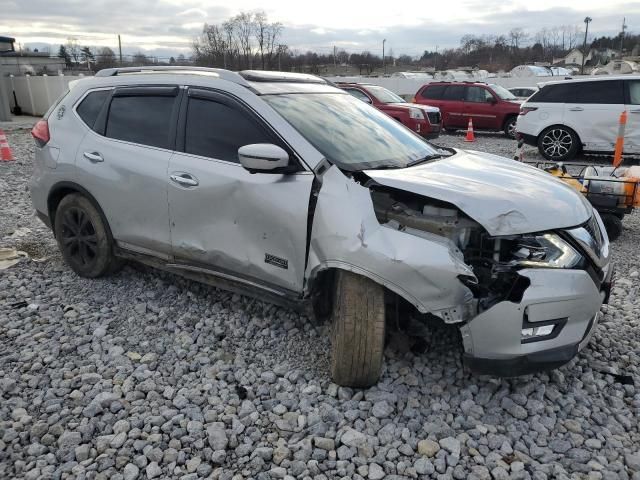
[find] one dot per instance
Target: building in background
(14, 62)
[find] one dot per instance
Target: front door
(632, 132)
(223, 218)
(481, 106)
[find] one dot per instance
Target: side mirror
(367, 100)
(263, 157)
(492, 100)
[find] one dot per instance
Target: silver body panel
(249, 226)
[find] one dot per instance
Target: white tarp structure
(523, 71)
(452, 75)
(422, 75)
(617, 67)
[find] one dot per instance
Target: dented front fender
(423, 270)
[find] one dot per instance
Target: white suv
(566, 117)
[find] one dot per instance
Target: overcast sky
(167, 27)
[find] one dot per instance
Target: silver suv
(283, 187)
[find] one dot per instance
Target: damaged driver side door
(252, 227)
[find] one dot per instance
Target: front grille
(434, 117)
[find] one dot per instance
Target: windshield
(502, 92)
(385, 96)
(350, 133)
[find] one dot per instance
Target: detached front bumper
(567, 299)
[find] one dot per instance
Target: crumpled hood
(506, 197)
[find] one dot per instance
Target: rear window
(90, 107)
(454, 92)
(141, 119)
(603, 92)
(433, 92)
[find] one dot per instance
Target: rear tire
(83, 238)
(613, 226)
(558, 143)
(357, 331)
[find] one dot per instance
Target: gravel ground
(146, 375)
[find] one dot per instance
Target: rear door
(223, 218)
(632, 133)
(481, 106)
(452, 106)
(123, 163)
(592, 110)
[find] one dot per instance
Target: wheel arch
(61, 190)
(508, 117)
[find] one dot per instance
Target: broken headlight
(416, 113)
(547, 250)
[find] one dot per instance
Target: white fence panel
(36, 94)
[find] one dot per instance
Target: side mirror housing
(492, 100)
(263, 157)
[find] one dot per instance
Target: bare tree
(245, 27)
(518, 37)
(73, 49)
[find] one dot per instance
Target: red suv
(490, 106)
(422, 119)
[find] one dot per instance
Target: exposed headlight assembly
(416, 113)
(546, 251)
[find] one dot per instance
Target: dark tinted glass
(434, 92)
(477, 94)
(634, 92)
(559, 93)
(604, 92)
(358, 94)
(90, 107)
(144, 119)
(217, 131)
(454, 92)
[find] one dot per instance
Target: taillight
(40, 132)
(525, 110)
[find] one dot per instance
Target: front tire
(357, 331)
(510, 127)
(613, 225)
(83, 238)
(558, 143)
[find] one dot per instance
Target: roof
(589, 79)
(7, 39)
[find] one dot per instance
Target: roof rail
(186, 70)
(287, 77)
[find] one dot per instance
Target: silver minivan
(283, 187)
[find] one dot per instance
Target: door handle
(94, 157)
(184, 179)
(576, 109)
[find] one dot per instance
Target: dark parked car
(491, 107)
(422, 119)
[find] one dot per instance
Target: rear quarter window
(558, 93)
(91, 105)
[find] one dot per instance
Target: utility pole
(584, 44)
(335, 62)
(384, 65)
(435, 60)
(120, 49)
(624, 27)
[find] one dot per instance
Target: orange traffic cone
(470, 136)
(5, 151)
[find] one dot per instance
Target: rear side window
(433, 92)
(477, 94)
(216, 130)
(454, 92)
(603, 92)
(634, 92)
(143, 119)
(560, 93)
(358, 94)
(90, 107)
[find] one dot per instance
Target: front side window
(478, 95)
(216, 130)
(144, 119)
(349, 133)
(634, 92)
(91, 105)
